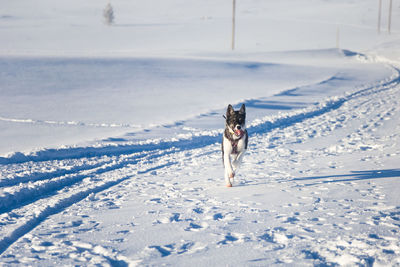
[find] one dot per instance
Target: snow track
(36, 186)
(75, 123)
(26, 205)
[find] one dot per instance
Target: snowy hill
(110, 135)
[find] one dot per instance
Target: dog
(234, 141)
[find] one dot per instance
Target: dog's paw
(229, 185)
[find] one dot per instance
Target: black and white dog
(234, 141)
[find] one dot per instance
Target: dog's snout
(238, 127)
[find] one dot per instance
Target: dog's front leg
(229, 173)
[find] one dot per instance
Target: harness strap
(234, 142)
(234, 146)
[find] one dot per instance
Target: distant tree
(108, 14)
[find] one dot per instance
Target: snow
(110, 135)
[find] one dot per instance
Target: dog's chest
(234, 146)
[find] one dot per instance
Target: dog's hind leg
(237, 161)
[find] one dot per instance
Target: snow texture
(110, 151)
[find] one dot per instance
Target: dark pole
(233, 24)
(390, 15)
(379, 16)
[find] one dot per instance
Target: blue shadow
(355, 176)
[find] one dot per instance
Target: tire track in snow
(25, 217)
(30, 192)
(268, 124)
(39, 176)
(52, 209)
(71, 123)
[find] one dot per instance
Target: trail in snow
(74, 123)
(34, 187)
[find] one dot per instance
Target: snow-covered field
(110, 135)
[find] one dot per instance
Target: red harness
(234, 142)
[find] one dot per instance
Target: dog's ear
(230, 111)
(242, 109)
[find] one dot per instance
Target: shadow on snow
(353, 176)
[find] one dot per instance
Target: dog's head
(236, 120)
